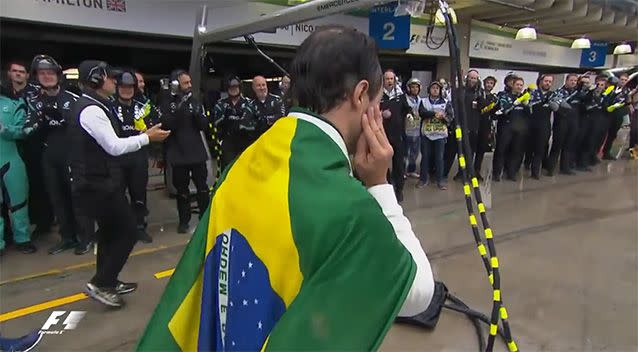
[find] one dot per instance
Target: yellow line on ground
(164, 273)
(82, 265)
(61, 301)
(42, 306)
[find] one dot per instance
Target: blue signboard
(594, 56)
(389, 31)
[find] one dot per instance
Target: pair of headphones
(468, 73)
(541, 78)
(42, 62)
(174, 79)
(97, 73)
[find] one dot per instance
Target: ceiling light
(526, 33)
(622, 49)
(439, 19)
(581, 43)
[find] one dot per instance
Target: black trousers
(510, 140)
(58, 183)
(116, 236)
(615, 122)
(182, 175)
(586, 143)
(483, 144)
(40, 209)
(633, 132)
(231, 148)
(565, 131)
(601, 125)
(135, 176)
(398, 163)
(451, 148)
(540, 128)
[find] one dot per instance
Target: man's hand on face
(157, 134)
(374, 152)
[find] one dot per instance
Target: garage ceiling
(608, 20)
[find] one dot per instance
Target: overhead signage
(388, 30)
(178, 19)
(594, 56)
(496, 47)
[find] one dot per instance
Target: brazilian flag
(292, 254)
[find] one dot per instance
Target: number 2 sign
(389, 31)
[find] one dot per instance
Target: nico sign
(389, 31)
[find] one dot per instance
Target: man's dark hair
(517, 78)
(570, 75)
(490, 78)
(329, 64)
(17, 62)
(625, 74)
(601, 78)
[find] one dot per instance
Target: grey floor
(567, 246)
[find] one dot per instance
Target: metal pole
(195, 68)
(292, 15)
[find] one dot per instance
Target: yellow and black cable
(467, 169)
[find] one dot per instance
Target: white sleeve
(422, 289)
(97, 124)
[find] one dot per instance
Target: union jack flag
(116, 5)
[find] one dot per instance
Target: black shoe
(595, 162)
(107, 296)
(143, 236)
(83, 248)
(40, 231)
(536, 176)
(608, 157)
(511, 178)
(584, 168)
(550, 173)
(567, 172)
(496, 178)
(62, 246)
(26, 247)
(182, 228)
(123, 288)
(458, 177)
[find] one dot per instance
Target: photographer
(96, 178)
(512, 130)
(566, 106)
(184, 116)
(540, 124)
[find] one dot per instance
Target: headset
(41, 62)
(97, 74)
(126, 78)
(45, 62)
(174, 79)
